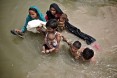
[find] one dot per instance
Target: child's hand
(76, 57)
(38, 29)
(96, 46)
(69, 43)
(43, 51)
(64, 39)
(47, 51)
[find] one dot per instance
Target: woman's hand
(18, 30)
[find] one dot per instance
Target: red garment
(46, 17)
(56, 16)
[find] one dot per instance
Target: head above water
(35, 13)
(75, 46)
(63, 17)
(51, 25)
(87, 54)
(54, 9)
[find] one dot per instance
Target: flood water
(22, 58)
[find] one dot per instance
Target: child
(34, 13)
(74, 48)
(61, 22)
(87, 54)
(77, 52)
(50, 43)
(51, 28)
(54, 12)
(34, 25)
(64, 24)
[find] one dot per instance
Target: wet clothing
(53, 43)
(74, 30)
(58, 12)
(46, 46)
(29, 18)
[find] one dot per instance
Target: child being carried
(36, 26)
(50, 43)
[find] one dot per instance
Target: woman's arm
(25, 25)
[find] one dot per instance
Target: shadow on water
(22, 58)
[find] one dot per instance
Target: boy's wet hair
(64, 17)
(87, 53)
(77, 44)
(52, 23)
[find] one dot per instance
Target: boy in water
(50, 43)
(77, 52)
(64, 24)
(87, 54)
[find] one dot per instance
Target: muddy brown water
(22, 58)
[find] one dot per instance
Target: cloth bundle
(34, 24)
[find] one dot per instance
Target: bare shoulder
(81, 49)
(93, 60)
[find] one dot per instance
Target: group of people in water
(51, 25)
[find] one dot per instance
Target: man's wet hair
(87, 53)
(77, 44)
(52, 23)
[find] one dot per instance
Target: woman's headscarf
(56, 7)
(29, 18)
(58, 11)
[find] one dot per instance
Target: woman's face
(53, 11)
(33, 14)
